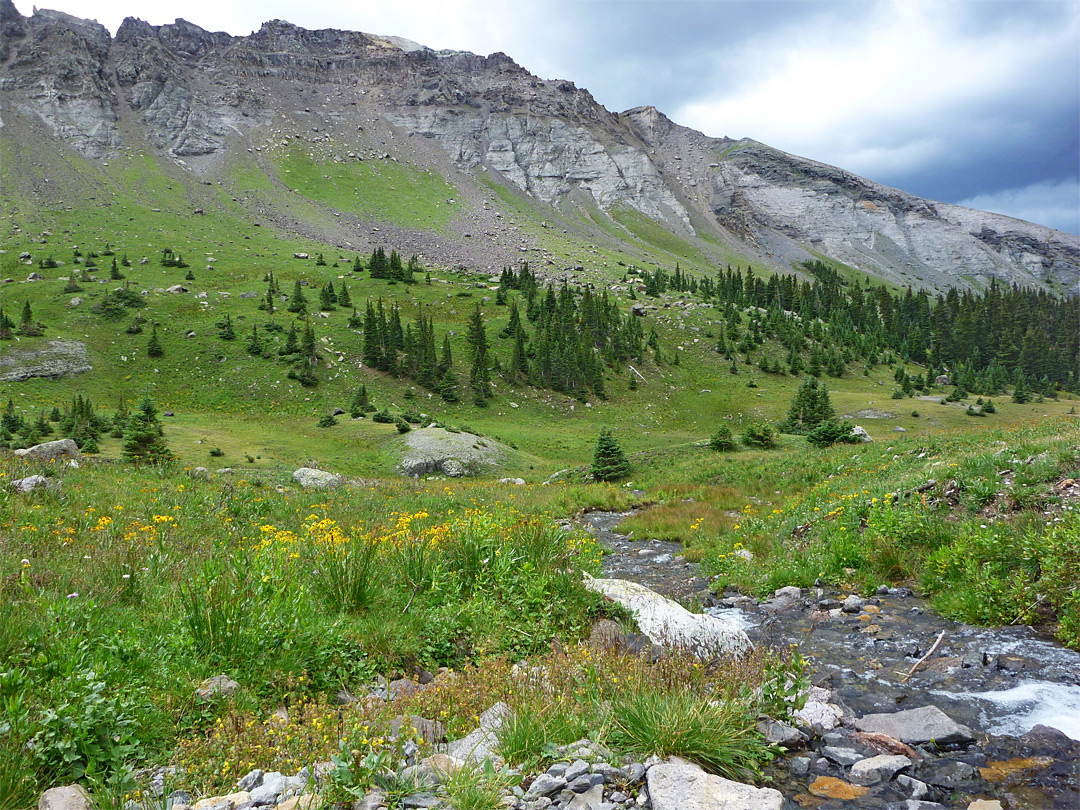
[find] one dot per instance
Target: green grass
(381, 189)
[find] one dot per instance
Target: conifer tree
(327, 297)
(447, 380)
(723, 441)
(298, 303)
(153, 346)
(292, 343)
(809, 407)
(144, 436)
(609, 460)
(479, 376)
(343, 298)
(254, 344)
(227, 331)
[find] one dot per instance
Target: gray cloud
(954, 100)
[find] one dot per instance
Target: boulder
(482, 743)
(918, 727)
(69, 797)
(218, 686)
(177, 288)
(668, 623)
(60, 450)
(683, 786)
(436, 451)
(310, 478)
(32, 482)
(818, 712)
(861, 434)
(881, 768)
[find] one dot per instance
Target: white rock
(482, 743)
(818, 713)
(861, 434)
(669, 624)
(310, 478)
(682, 786)
(70, 797)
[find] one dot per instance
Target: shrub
(831, 432)
(722, 441)
(759, 434)
(327, 420)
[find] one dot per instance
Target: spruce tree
(343, 298)
(609, 460)
(479, 376)
(809, 407)
(723, 441)
(227, 331)
(153, 346)
(298, 303)
(254, 344)
(144, 436)
(327, 297)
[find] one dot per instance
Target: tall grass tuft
(720, 736)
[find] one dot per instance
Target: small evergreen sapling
(722, 441)
(609, 460)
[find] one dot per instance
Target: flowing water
(1000, 682)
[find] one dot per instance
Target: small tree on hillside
(609, 461)
(154, 347)
(809, 407)
(723, 441)
(298, 303)
(144, 436)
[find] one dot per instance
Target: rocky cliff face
(196, 95)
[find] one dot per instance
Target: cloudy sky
(972, 102)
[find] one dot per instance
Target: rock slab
(669, 624)
(918, 727)
(682, 786)
(310, 478)
(60, 450)
(69, 797)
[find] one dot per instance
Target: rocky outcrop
(51, 360)
(310, 478)
(437, 451)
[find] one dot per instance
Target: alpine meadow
(384, 427)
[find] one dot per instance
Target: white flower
(72, 595)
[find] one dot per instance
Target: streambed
(1003, 683)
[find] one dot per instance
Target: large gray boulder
(436, 451)
(60, 450)
(669, 624)
(682, 786)
(310, 478)
(918, 727)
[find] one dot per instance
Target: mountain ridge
(199, 98)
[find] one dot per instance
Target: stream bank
(1018, 692)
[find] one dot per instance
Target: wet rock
(918, 727)
(682, 786)
(912, 787)
(947, 773)
(829, 787)
(881, 768)
(800, 766)
(841, 756)
(818, 712)
(853, 604)
(985, 804)
(913, 804)
(782, 599)
(778, 733)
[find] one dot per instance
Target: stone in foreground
(682, 786)
(918, 727)
(70, 797)
(669, 624)
(482, 743)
